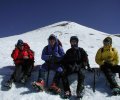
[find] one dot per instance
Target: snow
(89, 39)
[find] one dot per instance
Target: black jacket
(74, 57)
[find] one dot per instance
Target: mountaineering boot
(80, 91)
(54, 88)
(39, 85)
(24, 79)
(8, 83)
(116, 90)
(67, 94)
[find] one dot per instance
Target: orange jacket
(18, 55)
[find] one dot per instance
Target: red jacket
(18, 55)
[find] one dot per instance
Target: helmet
(107, 40)
(19, 42)
(74, 38)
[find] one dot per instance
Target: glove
(90, 69)
(60, 69)
(56, 54)
(50, 57)
(25, 57)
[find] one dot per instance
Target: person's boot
(24, 79)
(54, 88)
(39, 85)
(113, 83)
(116, 90)
(80, 91)
(8, 83)
(67, 94)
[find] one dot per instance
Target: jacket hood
(52, 36)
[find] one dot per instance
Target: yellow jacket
(107, 54)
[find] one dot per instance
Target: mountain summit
(89, 39)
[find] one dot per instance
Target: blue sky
(19, 16)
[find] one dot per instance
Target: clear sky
(19, 16)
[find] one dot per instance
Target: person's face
(73, 42)
(107, 43)
(21, 47)
(52, 42)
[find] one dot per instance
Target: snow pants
(24, 68)
(109, 71)
(66, 85)
(45, 68)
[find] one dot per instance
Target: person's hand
(108, 60)
(55, 54)
(106, 63)
(90, 69)
(59, 69)
(25, 57)
(49, 57)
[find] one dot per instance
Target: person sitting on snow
(51, 54)
(107, 58)
(23, 58)
(74, 60)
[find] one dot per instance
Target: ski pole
(48, 75)
(94, 80)
(48, 64)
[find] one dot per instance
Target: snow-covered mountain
(117, 35)
(89, 39)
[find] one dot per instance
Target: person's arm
(25, 54)
(45, 56)
(116, 58)
(98, 58)
(59, 55)
(14, 54)
(85, 60)
(31, 54)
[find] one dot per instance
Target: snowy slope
(89, 39)
(117, 35)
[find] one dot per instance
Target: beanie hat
(20, 42)
(107, 39)
(74, 38)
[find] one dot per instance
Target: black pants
(109, 71)
(25, 68)
(80, 79)
(57, 77)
